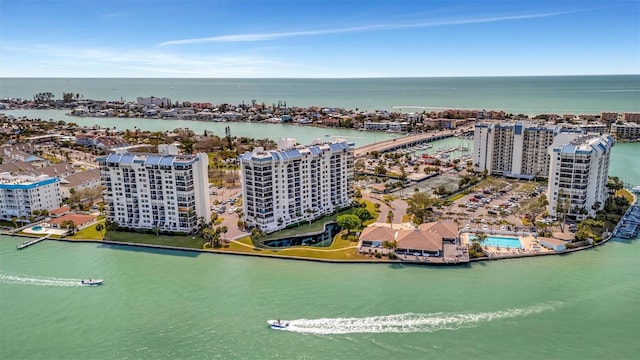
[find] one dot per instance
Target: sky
(318, 38)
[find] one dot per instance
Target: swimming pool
(500, 241)
(37, 228)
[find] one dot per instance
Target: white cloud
(100, 62)
(379, 27)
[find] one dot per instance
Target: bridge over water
(404, 142)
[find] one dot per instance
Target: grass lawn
(88, 233)
(318, 225)
(185, 241)
(341, 249)
(624, 193)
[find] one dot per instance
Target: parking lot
(494, 209)
(225, 201)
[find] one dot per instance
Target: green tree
(533, 207)
(390, 217)
(380, 170)
(441, 190)
(257, 234)
(614, 184)
(348, 221)
(223, 230)
(363, 214)
(100, 228)
(214, 217)
(562, 207)
(476, 244)
(420, 207)
(69, 225)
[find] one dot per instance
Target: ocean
(518, 95)
(158, 304)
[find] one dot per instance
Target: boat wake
(409, 322)
(37, 280)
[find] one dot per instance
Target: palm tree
(101, 208)
(14, 220)
(477, 240)
(99, 228)
(390, 217)
(223, 230)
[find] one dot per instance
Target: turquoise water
(503, 242)
(526, 95)
(166, 304)
(36, 228)
(158, 304)
(304, 134)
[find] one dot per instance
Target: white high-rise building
(578, 173)
(148, 191)
(20, 195)
(295, 183)
(518, 149)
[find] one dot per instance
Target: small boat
(327, 135)
(91, 282)
(277, 324)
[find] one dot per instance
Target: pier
(31, 242)
(402, 143)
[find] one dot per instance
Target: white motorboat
(277, 324)
(91, 282)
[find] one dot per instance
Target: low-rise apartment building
(20, 195)
(629, 131)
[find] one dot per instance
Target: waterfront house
(448, 230)
(372, 239)
(78, 220)
(418, 243)
(79, 181)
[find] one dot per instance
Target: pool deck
(529, 243)
(44, 231)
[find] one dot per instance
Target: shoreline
(320, 260)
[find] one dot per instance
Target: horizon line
(313, 77)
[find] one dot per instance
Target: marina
(629, 225)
